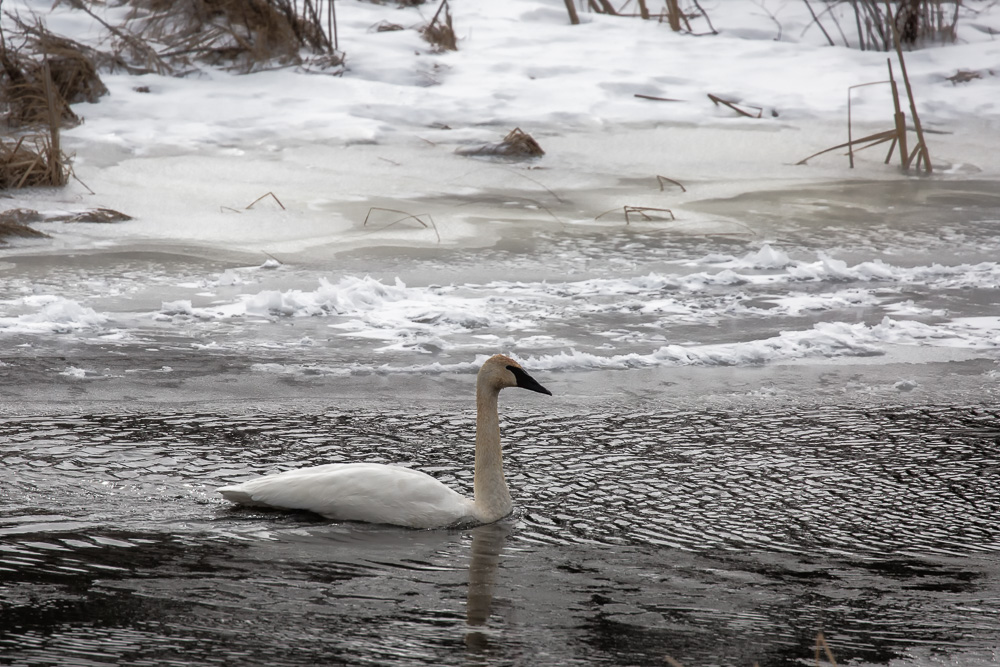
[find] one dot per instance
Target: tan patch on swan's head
(496, 372)
(502, 360)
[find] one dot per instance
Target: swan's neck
(492, 498)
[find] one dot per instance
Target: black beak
(525, 381)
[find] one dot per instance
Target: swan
(378, 493)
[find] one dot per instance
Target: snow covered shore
(185, 156)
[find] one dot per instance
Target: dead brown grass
(663, 179)
(264, 196)
(670, 13)
(39, 78)
(674, 16)
(32, 161)
(14, 223)
(240, 35)
(8, 230)
(42, 74)
(914, 23)
(35, 159)
(385, 26)
(737, 106)
(418, 217)
(101, 216)
(645, 213)
(173, 37)
(440, 32)
(517, 144)
(897, 137)
(963, 76)
(40, 59)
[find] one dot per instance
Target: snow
(186, 158)
(49, 314)
(395, 316)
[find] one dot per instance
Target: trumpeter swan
(379, 493)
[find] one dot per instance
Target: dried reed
(263, 196)
(674, 15)
(821, 643)
(440, 32)
(385, 26)
(663, 179)
(43, 58)
(242, 35)
(36, 159)
(517, 144)
(72, 66)
(14, 222)
(101, 216)
(643, 212)
(406, 216)
(915, 22)
(574, 18)
(896, 136)
(126, 43)
(736, 107)
(963, 76)
(641, 96)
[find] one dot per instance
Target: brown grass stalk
(674, 15)
(517, 144)
(642, 211)
(878, 137)
(406, 216)
(574, 19)
(242, 35)
(664, 179)
(641, 96)
(921, 149)
(850, 127)
(821, 643)
(36, 160)
(732, 105)
(896, 136)
(263, 196)
(439, 32)
(14, 223)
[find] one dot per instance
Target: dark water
(711, 537)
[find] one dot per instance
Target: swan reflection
(487, 544)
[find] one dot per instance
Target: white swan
(379, 493)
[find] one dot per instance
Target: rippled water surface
(710, 537)
(774, 418)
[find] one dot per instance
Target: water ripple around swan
(713, 537)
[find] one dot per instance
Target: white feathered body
(371, 492)
(379, 493)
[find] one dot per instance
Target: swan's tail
(236, 494)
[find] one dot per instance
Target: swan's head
(500, 371)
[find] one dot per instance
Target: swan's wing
(369, 492)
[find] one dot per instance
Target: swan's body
(370, 492)
(379, 493)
